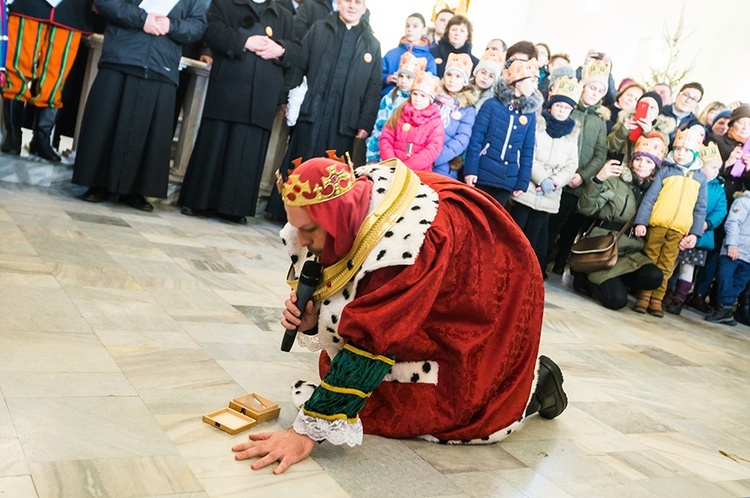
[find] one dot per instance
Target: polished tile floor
(120, 329)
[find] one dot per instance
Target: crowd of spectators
(569, 151)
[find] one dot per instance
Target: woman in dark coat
(126, 131)
(251, 44)
(457, 40)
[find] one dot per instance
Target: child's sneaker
(723, 314)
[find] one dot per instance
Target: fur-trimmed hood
(600, 110)
(525, 105)
(664, 125)
(466, 97)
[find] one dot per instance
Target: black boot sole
(561, 399)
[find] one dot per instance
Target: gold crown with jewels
(596, 70)
(709, 153)
(567, 87)
(314, 186)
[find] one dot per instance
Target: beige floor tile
(121, 477)
(64, 384)
(27, 351)
(17, 487)
(59, 429)
(12, 459)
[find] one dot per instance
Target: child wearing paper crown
(716, 211)
(414, 133)
(501, 150)
(407, 72)
(734, 262)
(555, 163)
(455, 101)
(592, 154)
(486, 74)
(673, 209)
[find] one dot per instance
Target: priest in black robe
(126, 131)
(341, 59)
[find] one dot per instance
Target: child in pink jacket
(414, 133)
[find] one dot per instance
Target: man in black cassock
(126, 131)
(341, 59)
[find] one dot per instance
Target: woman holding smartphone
(647, 118)
(612, 198)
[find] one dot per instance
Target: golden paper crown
(596, 71)
(652, 146)
(426, 83)
(567, 87)
(691, 138)
(461, 63)
(519, 70)
(410, 64)
(710, 154)
(320, 180)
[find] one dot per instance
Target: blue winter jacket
(458, 123)
(501, 149)
(716, 211)
(392, 59)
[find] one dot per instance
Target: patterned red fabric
(472, 302)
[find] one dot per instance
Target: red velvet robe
(472, 302)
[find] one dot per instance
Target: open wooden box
(256, 406)
(229, 420)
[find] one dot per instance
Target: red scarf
(341, 218)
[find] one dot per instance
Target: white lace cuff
(336, 432)
(310, 342)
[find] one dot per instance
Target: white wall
(632, 36)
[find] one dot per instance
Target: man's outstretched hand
(286, 447)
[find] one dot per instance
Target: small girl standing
(414, 133)
(407, 71)
(485, 76)
(555, 163)
(455, 100)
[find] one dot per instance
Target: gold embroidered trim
(371, 356)
(399, 197)
(338, 416)
(344, 390)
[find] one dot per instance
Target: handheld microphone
(308, 280)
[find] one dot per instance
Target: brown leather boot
(654, 308)
(641, 304)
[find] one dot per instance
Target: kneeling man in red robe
(428, 313)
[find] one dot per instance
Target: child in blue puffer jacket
(734, 262)
(501, 149)
(716, 211)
